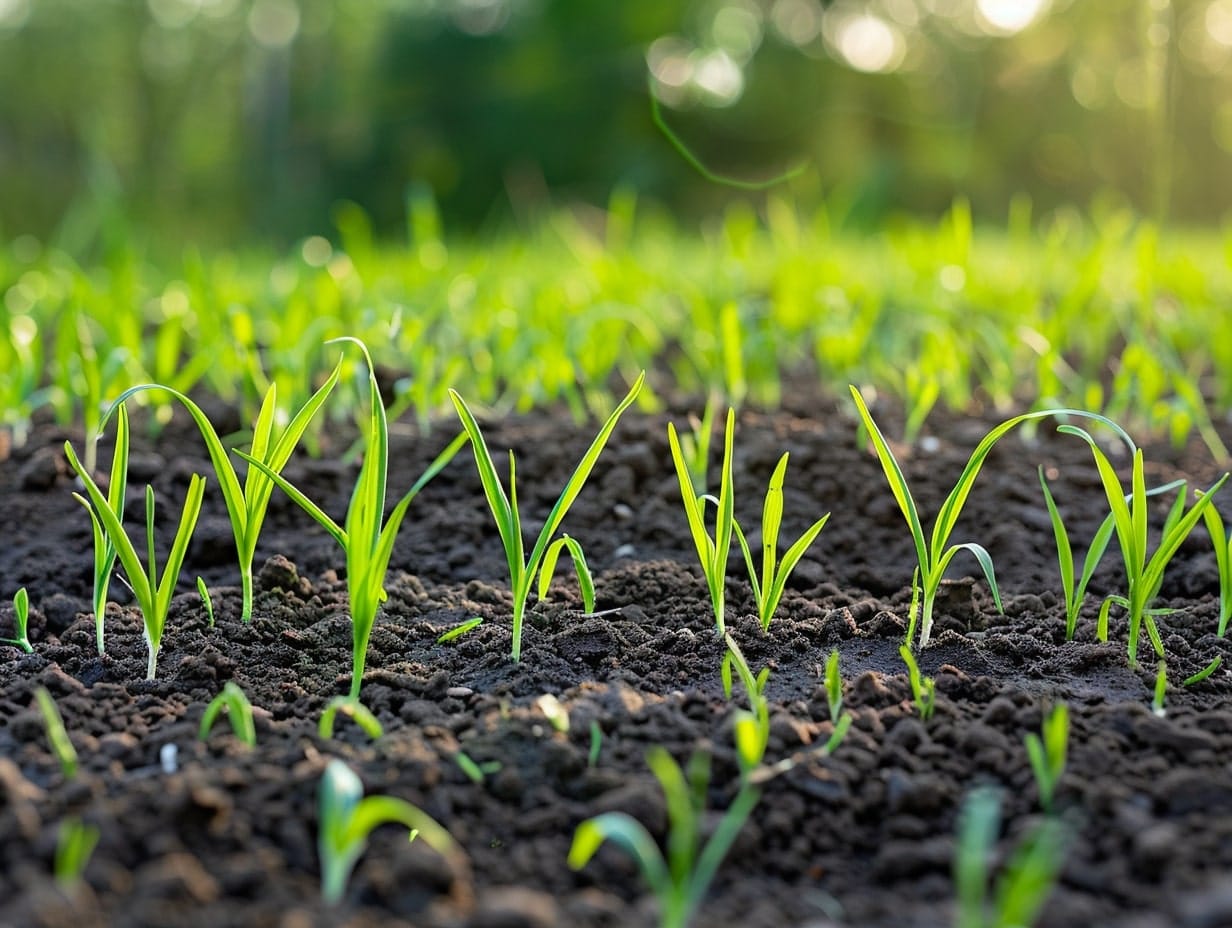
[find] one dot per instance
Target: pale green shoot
(695, 445)
(711, 552)
(347, 817)
(475, 771)
(769, 591)
(459, 630)
(367, 544)
(247, 502)
(353, 709)
(21, 622)
(522, 569)
(153, 594)
(104, 550)
(1204, 672)
(923, 689)
(1223, 559)
(206, 602)
(75, 843)
(680, 880)
(1047, 753)
(57, 734)
(934, 555)
(1143, 576)
(751, 729)
(1161, 688)
(1027, 879)
(834, 699)
(233, 701)
(596, 745)
(1074, 594)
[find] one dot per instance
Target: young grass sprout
(153, 594)
(680, 881)
(751, 728)
(353, 709)
(246, 503)
(1074, 593)
(233, 701)
(57, 734)
(21, 622)
(104, 549)
(206, 602)
(75, 843)
(368, 544)
(769, 590)
(347, 817)
(1143, 576)
(923, 689)
(934, 555)
(1047, 753)
(711, 552)
(522, 569)
(1223, 559)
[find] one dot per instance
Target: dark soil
(864, 837)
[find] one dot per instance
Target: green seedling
(1223, 559)
(247, 502)
(75, 843)
(153, 595)
(207, 603)
(769, 590)
(367, 544)
(57, 734)
(923, 689)
(680, 881)
(695, 445)
(1047, 753)
(1143, 576)
(347, 817)
(104, 550)
(21, 622)
(554, 711)
(1027, 879)
(233, 701)
(353, 709)
(934, 555)
(752, 728)
(522, 569)
(475, 771)
(1204, 672)
(459, 630)
(834, 698)
(1074, 594)
(711, 552)
(1161, 689)
(596, 745)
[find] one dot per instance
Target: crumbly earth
(861, 838)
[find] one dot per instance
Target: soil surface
(863, 837)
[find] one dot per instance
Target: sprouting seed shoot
(1047, 753)
(834, 686)
(207, 603)
(768, 591)
(353, 709)
(1074, 593)
(368, 544)
(104, 550)
(596, 745)
(153, 594)
(923, 689)
(21, 622)
(711, 552)
(347, 817)
(1143, 576)
(1221, 539)
(57, 734)
(233, 701)
(1204, 672)
(752, 727)
(459, 630)
(522, 569)
(934, 555)
(1161, 688)
(75, 843)
(247, 502)
(475, 771)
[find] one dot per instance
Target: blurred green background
(216, 121)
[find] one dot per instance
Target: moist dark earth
(864, 837)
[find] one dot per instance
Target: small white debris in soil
(168, 757)
(930, 444)
(626, 551)
(459, 692)
(622, 511)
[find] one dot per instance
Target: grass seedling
(834, 700)
(1047, 753)
(459, 630)
(1204, 672)
(680, 881)
(596, 745)
(1074, 593)
(934, 555)
(104, 550)
(367, 544)
(347, 817)
(774, 575)
(1027, 879)
(695, 445)
(475, 771)
(522, 569)
(751, 729)
(21, 622)
(75, 843)
(1223, 559)
(233, 701)
(923, 689)
(57, 734)
(247, 502)
(153, 595)
(1161, 689)
(353, 709)
(206, 602)
(711, 552)
(1143, 576)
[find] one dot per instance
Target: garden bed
(864, 837)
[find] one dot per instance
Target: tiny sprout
(353, 709)
(75, 843)
(1047, 753)
(459, 630)
(596, 745)
(21, 622)
(234, 702)
(475, 771)
(206, 602)
(57, 734)
(923, 689)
